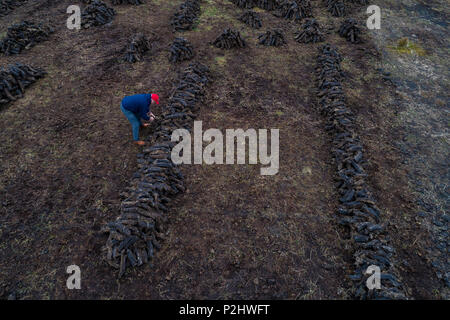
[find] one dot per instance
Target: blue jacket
(139, 104)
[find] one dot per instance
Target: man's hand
(151, 116)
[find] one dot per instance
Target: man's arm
(144, 113)
(145, 116)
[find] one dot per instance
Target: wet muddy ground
(66, 154)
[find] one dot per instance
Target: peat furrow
(357, 211)
(186, 15)
(137, 232)
(15, 79)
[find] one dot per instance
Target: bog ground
(66, 155)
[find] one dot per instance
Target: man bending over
(137, 107)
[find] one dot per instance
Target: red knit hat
(155, 97)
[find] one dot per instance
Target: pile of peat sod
(229, 39)
(362, 2)
(180, 50)
(138, 46)
(336, 7)
(135, 2)
(272, 38)
(6, 6)
(357, 211)
(96, 14)
(137, 232)
(310, 33)
(268, 5)
(186, 15)
(295, 10)
(251, 18)
(15, 79)
(349, 30)
(244, 4)
(22, 36)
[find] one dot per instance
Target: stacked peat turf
(186, 15)
(180, 50)
(183, 101)
(357, 210)
(295, 10)
(97, 14)
(6, 6)
(135, 2)
(252, 19)
(359, 1)
(268, 5)
(311, 32)
(15, 79)
(336, 7)
(23, 35)
(138, 46)
(272, 38)
(244, 4)
(229, 39)
(349, 29)
(137, 232)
